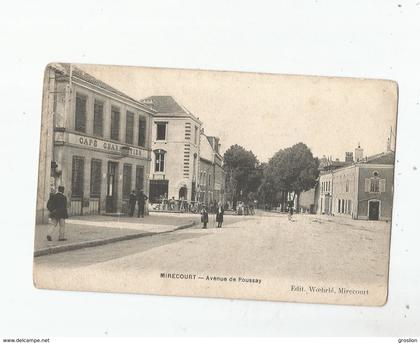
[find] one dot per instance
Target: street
(310, 251)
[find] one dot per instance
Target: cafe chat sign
(104, 146)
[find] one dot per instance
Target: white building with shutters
(175, 146)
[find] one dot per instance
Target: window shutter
(142, 132)
(367, 185)
(382, 185)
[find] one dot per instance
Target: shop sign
(103, 145)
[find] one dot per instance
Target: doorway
(183, 193)
(111, 188)
(373, 209)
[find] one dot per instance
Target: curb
(98, 242)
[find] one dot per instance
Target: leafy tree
(292, 170)
(242, 173)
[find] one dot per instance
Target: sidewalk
(89, 231)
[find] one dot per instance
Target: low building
(325, 183)
(211, 179)
(95, 141)
(362, 189)
(175, 149)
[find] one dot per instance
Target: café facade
(95, 141)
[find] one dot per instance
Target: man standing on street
(219, 215)
(132, 202)
(57, 205)
(141, 200)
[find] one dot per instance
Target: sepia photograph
(215, 184)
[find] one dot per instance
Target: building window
(374, 185)
(142, 132)
(339, 206)
(159, 161)
(80, 115)
(129, 127)
(139, 177)
(77, 176)
(161, 131)
(95, 178)
(127, 168)
(115, 123)
(347, 185)
(98, 118)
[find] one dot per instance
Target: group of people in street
(219, 211)
(245, 209)
(137, 197)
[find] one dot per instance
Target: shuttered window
(115, 123)
(127, 168)
(95, 178)
(129, 126)
(77, 176)
(139, 177)
(382, 185)
(80, 115)
(142, 132)
(375, 185)
(98, 118)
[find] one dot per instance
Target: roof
(82, 75)
(206, 150)
(164, 104)
(386, 158)
(382, 158)
(331, 165)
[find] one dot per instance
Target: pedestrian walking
(290, 214)
(57, 206)
(141, 201)
(204, 217)
(219, 215)
(132, 198)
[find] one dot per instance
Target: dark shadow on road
(89, 256)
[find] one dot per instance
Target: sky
(268, 112)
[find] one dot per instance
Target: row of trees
(287, 174)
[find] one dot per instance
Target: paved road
(315, 249)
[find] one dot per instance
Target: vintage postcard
(215, 184)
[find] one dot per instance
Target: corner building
(175, 149)
(360, 190)
(95, 142)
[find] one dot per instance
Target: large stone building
(211, 178)
(95, 141)
(175, 148)
(361, 189)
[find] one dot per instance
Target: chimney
(349, 157)
(358, 153)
